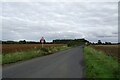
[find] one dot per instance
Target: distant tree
(22, 42)
(106, 43)
(93, 43)
(99, 42)
(10, 42)
(71, 42)
(0, 41)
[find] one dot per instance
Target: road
(64, 64)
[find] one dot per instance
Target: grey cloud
(30, 20)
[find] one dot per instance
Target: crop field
(11, 48)
(109, 50)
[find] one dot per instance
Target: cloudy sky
(60, 20)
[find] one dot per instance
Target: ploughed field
(11, 48)
(109, 49)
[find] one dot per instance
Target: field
(12, 48)
(32, 53)
(12, 53)
(111, 50)
(99, 64)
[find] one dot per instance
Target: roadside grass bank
(25, 55)
(100, 65)
(0, 58)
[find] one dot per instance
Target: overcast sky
(60, 20)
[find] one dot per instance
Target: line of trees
(71, 42)
(104, 43)
(107, 43)
(20, 42)
(23, 42)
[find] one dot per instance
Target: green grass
(0, 58)
(100, 65)
(25, 55)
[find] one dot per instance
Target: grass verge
(100, 65)
(25, 55)
(0, 58)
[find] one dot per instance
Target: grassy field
(25, 55)
(100, 65)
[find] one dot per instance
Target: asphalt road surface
(65, 64)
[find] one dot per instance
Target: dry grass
(11, 48)
(109, 49)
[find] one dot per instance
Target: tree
(99, 42)
(108, 43)
(22, 42)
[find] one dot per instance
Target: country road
(64, 64)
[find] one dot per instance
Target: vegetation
(110, 50)
(23, 42)
(99, 42)
(12, 48)
(25, 55)
(0, 59)
(71, 42)
(100, 65)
